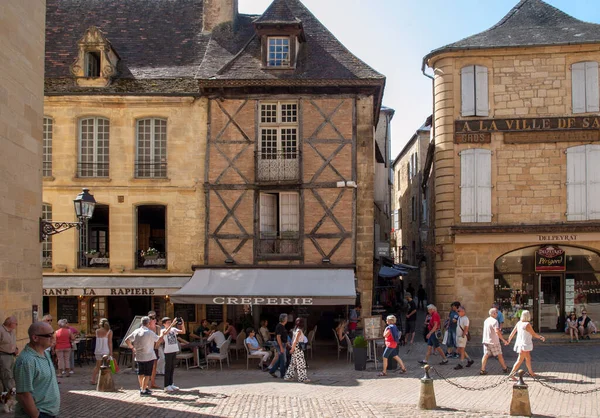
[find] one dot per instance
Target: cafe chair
(239, 344)
(185, 356)
(223, 354)
(249, 356)
(339, 346)
(311, 342)
(349, 348)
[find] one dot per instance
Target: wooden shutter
(268, 213)
(576, 183)
(467, 186)
(288, 209)
(593, 181)
(481, 91)
(578, 87)
(467, 84)
(591, 87)
(483, 185)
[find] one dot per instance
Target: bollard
(105, 380)
(519, 404)
(427, 397)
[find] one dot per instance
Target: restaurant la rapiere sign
(480, 131)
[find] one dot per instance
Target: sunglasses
(152, 317)
(49, 320)
(44, 335)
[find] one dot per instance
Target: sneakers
(273, 374)
(71, 372)
(169, 389)
(483, 372)
(146, 392)
(458, 367)
(174, 387)
(422, 362)
(443, 362)
(456, 355)
(470, 363)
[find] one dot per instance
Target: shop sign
(579, 123)
(117, 291)
(550, 258)
(227, 300)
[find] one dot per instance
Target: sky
(393, 36)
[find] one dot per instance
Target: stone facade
(21, 110)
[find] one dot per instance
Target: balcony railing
(278, 166)
(286, 243)
(151, 170)
(156, 261)
(92, 169)
(94, 260)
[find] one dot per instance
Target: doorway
(550, 302)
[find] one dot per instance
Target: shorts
(99, 356)
(493, 350)
(461, 342)
(410, 327)
(145, 368)
(433, 341)
(390, 352)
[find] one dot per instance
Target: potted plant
(91, 253)
(360, 353)
(150, 254)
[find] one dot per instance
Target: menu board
(135, 324)
(68, 308)
(214, 313)
(187, 311)
(373, 327)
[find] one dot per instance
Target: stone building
(412, 206)
(21, 110)
(238, 147)
(516, 167)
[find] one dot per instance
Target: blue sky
(392, 36)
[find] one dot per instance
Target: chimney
(216, 12)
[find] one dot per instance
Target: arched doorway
(550, 281)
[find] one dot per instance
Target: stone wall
(21, 109)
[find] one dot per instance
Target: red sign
(550, 258)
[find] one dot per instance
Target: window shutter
(268, 213)
(481, 91)
(576, 183)
(467, 83)
(578, 87)
(591, 87)
(483, 190)
(396, 220)
(593, 181)
(467, 186)
(288, 209)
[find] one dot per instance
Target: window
(151, 154)
(47, 243)
(278, 54)
(396, 220)
(92, 64)
(476, 185)
(93, 147)
(474, 90)
(47, 145)
(584, 83)
(413, 210)
(583, 183)
(279, 223)
(423, 211)
(398, 180)
(278, 153)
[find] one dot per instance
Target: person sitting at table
(341, 332)
(104, 346)
(264, 331)
(255, 348)
(202, 331)
(229, 330)
(216, 338)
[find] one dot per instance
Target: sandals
(482, 372)
(402, 371)
(381, 374)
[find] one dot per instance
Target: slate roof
(529, 23)
(163, 49)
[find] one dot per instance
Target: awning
(391, 272)
(269, 287)
(405, 267)
(61, 285)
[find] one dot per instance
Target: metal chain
(566, 391)
(495, 385)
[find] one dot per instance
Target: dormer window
(92, 64)
(279, 51)
(96, 62)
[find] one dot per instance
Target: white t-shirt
(171, 344)
(463, 322)
(490, 326)
(218, 337)
(143, 341)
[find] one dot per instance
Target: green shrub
(360, 342)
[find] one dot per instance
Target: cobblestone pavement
(340, 391)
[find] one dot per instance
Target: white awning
(61, 285)
(269, 287)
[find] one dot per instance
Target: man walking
(8, 352)
(492, 334)
(451, 336)
(432, 341)
(421, 296)
(281, 338)
(411, 318)
(462, 331)
(142, 343)
(35, 379)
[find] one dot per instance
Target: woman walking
(524, 343)
(391, 336)
(62, 347)
(104, 346)
(297, 368)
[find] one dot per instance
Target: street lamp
(84, 209)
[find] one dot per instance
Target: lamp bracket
(52, 228)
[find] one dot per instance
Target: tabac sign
(550, 258)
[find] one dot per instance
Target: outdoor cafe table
(372, 354)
